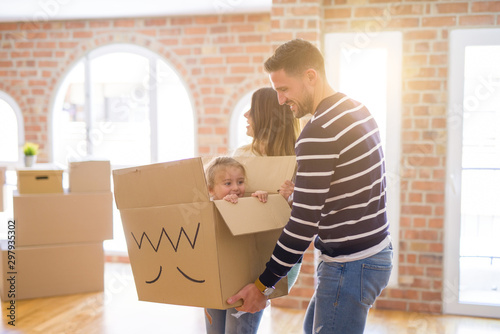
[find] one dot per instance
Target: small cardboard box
(39, 181)
(48, 219)
(89, 176)
(45, 271)
(185, 249)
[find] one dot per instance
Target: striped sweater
(339, 197)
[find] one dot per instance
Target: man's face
(294, 92)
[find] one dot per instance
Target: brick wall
(220, 58)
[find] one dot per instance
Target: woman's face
(250, 129)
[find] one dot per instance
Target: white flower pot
(29, 160)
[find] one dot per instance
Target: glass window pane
(70, 141)
(175, 116)
(8, 133)
(237, 127)
(243, 138)
(120, 128)
(371, 66)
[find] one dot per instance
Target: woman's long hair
(275, 128)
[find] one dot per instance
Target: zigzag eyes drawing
(175, 248)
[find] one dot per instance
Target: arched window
(125, 104)
(11, 131)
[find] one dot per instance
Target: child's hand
(286, 189)
(233, 198)
(261, 195)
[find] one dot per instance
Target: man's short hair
(295, 57)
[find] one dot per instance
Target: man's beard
(305, 107)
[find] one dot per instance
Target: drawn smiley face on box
(172, 249)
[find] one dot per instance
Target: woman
(274, 130)
(272, 126)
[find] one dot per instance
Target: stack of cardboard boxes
(58, 234)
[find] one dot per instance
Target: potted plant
(30, 152)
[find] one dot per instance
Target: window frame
(153, 106)
(459, 40)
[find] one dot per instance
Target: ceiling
(45, 10)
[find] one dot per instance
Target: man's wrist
(265, 290)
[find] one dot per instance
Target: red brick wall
(220, 58)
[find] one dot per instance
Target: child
(226, 180)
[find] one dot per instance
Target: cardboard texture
(187, 250)
(89, 176)
(51, 270)
(48, 219)
(39, 181)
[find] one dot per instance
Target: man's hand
(253, 299)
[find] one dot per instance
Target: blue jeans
(224, 323)
(345, 293)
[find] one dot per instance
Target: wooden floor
(116, 310)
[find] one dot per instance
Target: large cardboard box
(50, 270)
(188, 250)
(48, 219)
(39, 181)
(89, 176)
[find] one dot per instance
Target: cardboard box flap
(160, 184)
(267, 173)
(40, 167)
(251, 216)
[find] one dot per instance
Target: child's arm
(261, 195)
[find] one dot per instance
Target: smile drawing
(183, 274)
(189, 278)
(157, 277)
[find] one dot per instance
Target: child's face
(230, 180)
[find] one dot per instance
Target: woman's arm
(286, 190)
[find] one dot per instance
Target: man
(339, 198)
